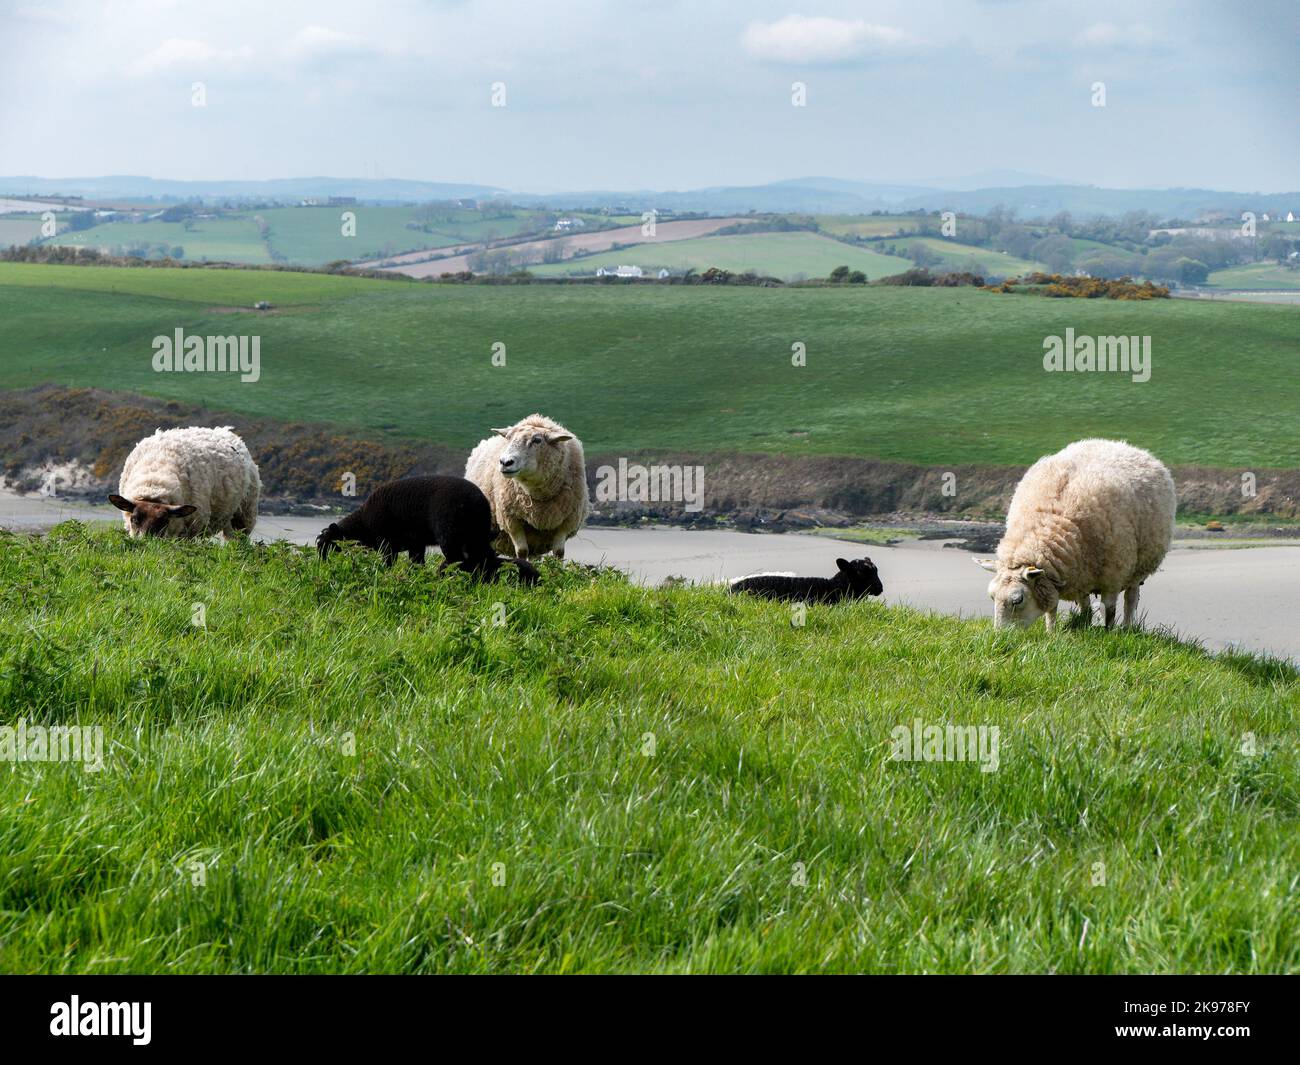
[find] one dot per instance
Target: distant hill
(807, 195)
(123, 187)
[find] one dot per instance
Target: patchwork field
(935, 376)
(351, 769)
(789, 256)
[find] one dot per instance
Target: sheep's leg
(389, 552)
(1108, 601)
(1131, 606)
(1085, 609)
(1049, 619)
(246, 516)
(518, 538)
(416, 555)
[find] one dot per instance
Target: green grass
(935, 376)
(303, 236)
(311, 236)
(783, 255)
(235, 240)
(239, 288)
(957, 256)
(1255, 275)
(856, 225)
(367, 775)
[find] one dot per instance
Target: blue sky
(655, 93)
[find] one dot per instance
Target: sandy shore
(1225, 598)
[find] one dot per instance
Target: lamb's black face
(328, 537)
(862, 575)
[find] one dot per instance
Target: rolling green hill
(1255, 275)
(783, 255)
(957, 256)
(349, 768)
(302, 236)
(235, 240)
(856, 225)
(936, 376)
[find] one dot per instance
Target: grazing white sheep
(535, 477)
(189, 483)
(1095, 518)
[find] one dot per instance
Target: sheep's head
(532, 452)
(1020, 594)
(329, 536)
(862, 576)
(145, 517)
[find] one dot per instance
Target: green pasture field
(933, 376)
(783, 255)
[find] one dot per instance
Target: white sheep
(189, 483)
(535, 478)
(1095, 518)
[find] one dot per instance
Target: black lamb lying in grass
(413, 513)
(854, 580)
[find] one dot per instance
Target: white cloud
(1108, 35)
(190, 54)
(320, 42)
(800, 39)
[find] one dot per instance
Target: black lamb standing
(854, 580)
(414, 513)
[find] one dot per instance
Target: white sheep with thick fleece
(1096, 518)
(189, 483)
(535, 478)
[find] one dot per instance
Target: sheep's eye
(535, 441)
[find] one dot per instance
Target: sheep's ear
(986, 563)
(121, 502)
(502, 432)
(842, 563)
(558, 438)
(183, 510)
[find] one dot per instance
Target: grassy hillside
(313, 235)
(856, 225)
(235, 240)
(239, 288)
(783, 255)
(353, 769)
(927, 375)
(303, 236)
(957, 256)
(1255, 275)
